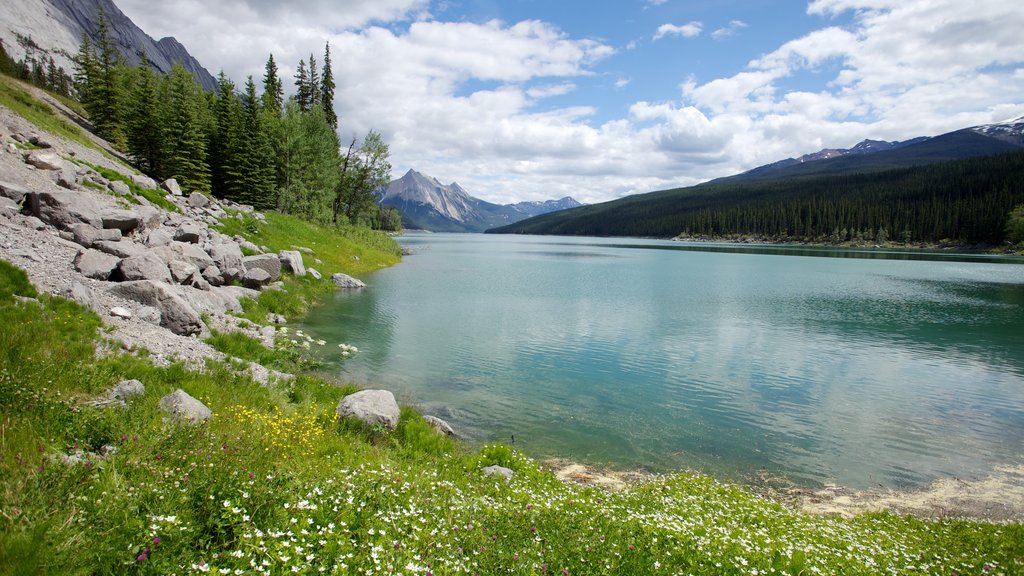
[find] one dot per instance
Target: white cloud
(688, 30)
(729, 30)
(461, 100)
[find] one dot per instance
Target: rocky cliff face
(40, 28)
(427, 204)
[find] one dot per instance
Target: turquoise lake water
(861, 367)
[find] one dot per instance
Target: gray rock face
(171, 185)
(144, 267)
(87, 235)
(181, 271)
(183, 408)
(121, 249)
(189, 233)
(440, 425)
(175, 314)
(345, 281)
(268, 262)
(119, 188)
(62, 208)
(374, 407)
(45, 160)
(291, 260)
(499, 471)
(15, 192)
(96, 264)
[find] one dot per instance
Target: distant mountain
(957, 186)
(427, 204)
(41, 28)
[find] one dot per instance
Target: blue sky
(533, 99)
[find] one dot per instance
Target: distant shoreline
(986, 249)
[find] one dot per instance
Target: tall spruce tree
(302, 95)
(107, 112)
(227, 143)
(273, 91)
(327, 89)
(185, 138)
(145, 126)
(314, 82)
(259, 155)
(86, 73)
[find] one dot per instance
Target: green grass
(275, 484)
(349, 250)
(155, 197)
(14, 94)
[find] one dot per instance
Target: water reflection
(854, 370)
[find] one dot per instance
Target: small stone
(314, 273)
(345, 281)
(121, 312)
(499, 471)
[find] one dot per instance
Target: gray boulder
(122, 248)
(228, 257)
(120, 188)
(256, 278)
(191, 253)
(159, 237)
(440, 425)
(80, 293)
(189, 233)
(126, 389)
(67, 177)
(267, 262)
(15, 192)
(144, 267)
(175, 314)
(499, 471)
(345, 281)
(95, 264)
(181, 271)
(314, 273)
(45, 160)
(183, 408)
(198, 200)
(88, 235)
(373, 407)
(62, 208)
(291, 260)
(123, 220)
(143, 181)
(171, 185)
(212, 275)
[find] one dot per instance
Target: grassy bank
(275, 484)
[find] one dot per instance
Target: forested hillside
(965, 201)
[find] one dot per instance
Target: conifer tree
(314, 83)
(227, 158)
(273, 91)
(85, 75)
(327, 89)
(145, 127)
(259, 155)
(108, 102)
(185, 138)
(302, 94)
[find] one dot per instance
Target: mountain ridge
(425, 203)
(41, 28)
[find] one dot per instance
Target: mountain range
(865, 187)
(39, 29)
(427, 204)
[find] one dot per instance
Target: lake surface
(861, 367)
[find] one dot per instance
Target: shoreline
(996, 498)
(945, 248)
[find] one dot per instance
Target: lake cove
(863, 368)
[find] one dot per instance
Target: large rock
(267, 262)
(143, 181)
(171, 185)
(175, 314)
(181, 271)
(191, 253)
(15, 192)
(183, 408)
(496, 470)
(95, 264)
(345, 281)
(440, 425)
(45, 160)
(144, 267)
(159, 237)
(228, 257)
(198, 200)
(121, 249)
(87, 235)
(256, 278)
(123, 220)
(62, 208)
(120, 188)
(189, 233)
(374, 407)
(291, 260)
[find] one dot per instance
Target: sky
(526, 100)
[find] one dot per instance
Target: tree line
(965, 201)
(39, 71)
(243, 144)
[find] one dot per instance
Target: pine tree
(302, 94)
(327, 89)
(227, 158)
(185, 138)
(145, 128)
(107, 113)
(259, 155)
(273, 91)
(85, 72)
(314, 82)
